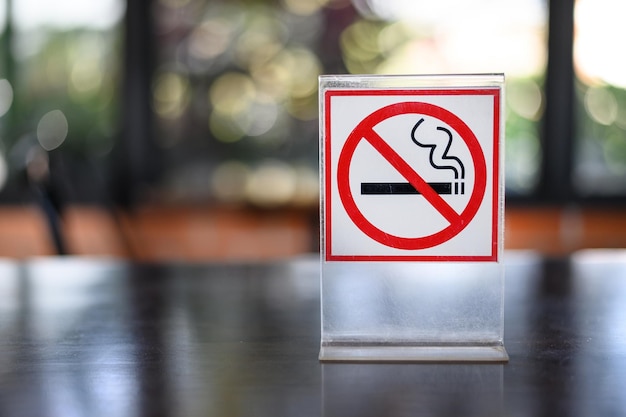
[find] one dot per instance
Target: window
(235, 84)
(218, 98)
(58, 92)
(600, 92)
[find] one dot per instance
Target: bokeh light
(210, 39)
(6, 96)
(601, 105)
(272, 184)
(304, 68)
(525, 97)
(263, 37)
(231, 96)
(86, 76)
(229, 182)
(171, 95)
(86, 66)
(307, 186)
(224, 128)
(52, 130)
(260, 117)
(304, 7)
(360, 46)
(232, 93)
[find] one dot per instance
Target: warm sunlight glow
(65, 14)
(598, 43)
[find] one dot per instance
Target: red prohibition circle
(365, 131)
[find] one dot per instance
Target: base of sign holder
(414, 354)
(410, 260)
(412, 312)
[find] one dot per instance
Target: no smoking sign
(411, 174)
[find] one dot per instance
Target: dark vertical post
(557, 135)
(7, 135)
(136, 161)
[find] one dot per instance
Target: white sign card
(412, 174)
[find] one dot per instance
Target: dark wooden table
(88, 337)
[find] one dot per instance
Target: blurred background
(146, 128)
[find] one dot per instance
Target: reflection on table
(82, 336)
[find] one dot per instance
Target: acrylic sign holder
(412, 208)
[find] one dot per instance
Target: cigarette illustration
(438, 160)
(405, 188)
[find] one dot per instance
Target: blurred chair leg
(48, 198)
(53, 219)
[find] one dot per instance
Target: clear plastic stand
(422, 289)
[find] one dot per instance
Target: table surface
(95, 337)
